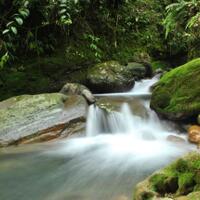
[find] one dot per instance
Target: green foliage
(160, 64)
(4, 60)
(24, 24)
(183, 21)
(93, 45)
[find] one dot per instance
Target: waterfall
(125, 121)
(122, 147)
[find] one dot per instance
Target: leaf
(9, 23)
(63, 17)
(26, 3)
(62, 11)
(19, 20)
(62, 5)
(5, 31)
(24, 12)
(14, 30)
(67, 21)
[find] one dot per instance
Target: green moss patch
(177, 95)
(180, 178)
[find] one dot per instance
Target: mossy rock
(180, 179)
(177, 94)
(111, 76)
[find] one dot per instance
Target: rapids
(121, 148)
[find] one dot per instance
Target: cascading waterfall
(125, 122)
(121, 148)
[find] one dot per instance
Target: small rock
(78, 89)
(175, 139)
(194, 134)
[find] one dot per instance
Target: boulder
(139, 70)
(194, 134)
(178, 181)
(176, 96)
(109, 77)
(35, 118)
(78, 89)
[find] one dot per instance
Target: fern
(194, 21)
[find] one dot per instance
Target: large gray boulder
(35, 118)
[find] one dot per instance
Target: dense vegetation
(68, 35)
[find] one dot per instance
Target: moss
(181, 88)
(164, 183)
(182, 177)
(158, 182)
(181, 166)
(186, 183)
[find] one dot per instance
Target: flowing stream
(121, 147)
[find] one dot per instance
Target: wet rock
(176, 96)
(36, 118)
(175, 139)
(139, 70)
(194, 134)
(115, 103)
(78, 89)
(109, 77)
(178, 181)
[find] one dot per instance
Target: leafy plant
(183, 18)
(93, 45)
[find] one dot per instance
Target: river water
(121, 148)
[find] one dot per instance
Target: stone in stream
(178, 181)
(36, 118)
(115, 103)
(175, 139)
(194, 134)
(111, 76)
(177, 95)
(78, 89)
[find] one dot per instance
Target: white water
(120, 150)
(143, 87)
